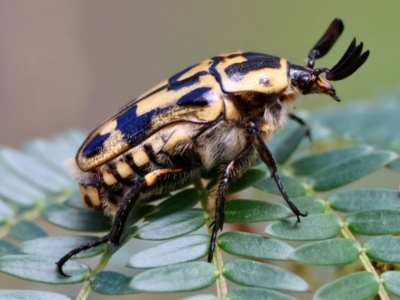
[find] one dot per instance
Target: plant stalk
(222, 289)
(84, 293)
(347, 234)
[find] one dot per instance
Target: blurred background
(71, 64)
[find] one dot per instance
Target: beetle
(218, 112)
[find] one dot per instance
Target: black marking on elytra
(192, 80)
(95, 146)
(255, 62)
(215, 61)
(178, 75)
(136, 128)
(195, 97)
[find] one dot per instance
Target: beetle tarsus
(73, 252)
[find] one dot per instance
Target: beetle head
(306, 79)
(308, 82)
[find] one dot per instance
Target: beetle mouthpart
(326, 88)
(332, 93)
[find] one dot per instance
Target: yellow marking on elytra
(203, 66)
(161, 84)
(152, 177)
(112, 146)
(108, 127)
(90, 196)
(166, 98)
(108, 178)
(123, 169)
(140, 157)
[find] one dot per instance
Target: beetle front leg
(267, 157)
(235, 167)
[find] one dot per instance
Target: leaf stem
(86, 288)
(347, 234)
(222, 289)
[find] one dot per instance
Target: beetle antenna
(326, 42)
(351, 60)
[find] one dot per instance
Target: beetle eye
(304, 82)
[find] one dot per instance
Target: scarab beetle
(218, 112)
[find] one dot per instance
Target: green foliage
(359, 285)
(349, 229)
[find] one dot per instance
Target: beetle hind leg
(124, 208)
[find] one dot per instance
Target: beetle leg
(124, 208)
(236, 166)
(301, 122)
(65, 258)
(267, 157)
